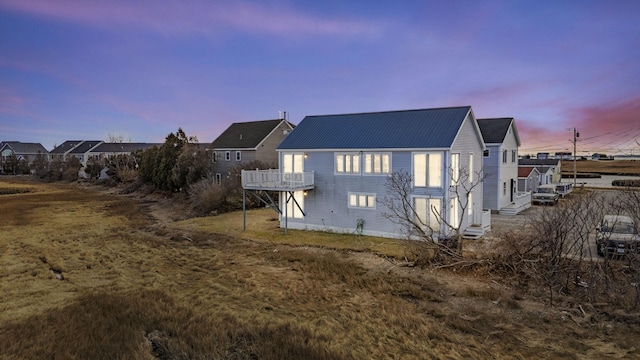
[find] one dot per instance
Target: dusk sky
(74, 70)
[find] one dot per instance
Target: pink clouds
(610, 128)
(194, 17)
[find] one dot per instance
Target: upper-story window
(514, 156)
(427, 169)
(238, 155)
(377, 163)
(347, 163)
(504, 156)
(215, 156)
(455, 169)
(471, 167)
(227, 155)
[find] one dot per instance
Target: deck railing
(522, 200)
(273, 179)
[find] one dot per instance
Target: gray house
(333, 170)
(245, 142)
(21, 151)
(550, 169)
(500, 166)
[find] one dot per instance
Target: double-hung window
(504, 156)
(227, 155)
(362, 200)
(514, 156)
(427, 169)
(377, 163)
(238, 156)
(347, 163)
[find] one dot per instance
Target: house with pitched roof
(528, 179)
(500, 166)
(333, 171)
(20, 150)
(245, 142)
(83, 150)
(552, 167)
(110, 150)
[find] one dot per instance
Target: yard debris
(57, 273)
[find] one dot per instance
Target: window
(504, 188)
(347, 163)
(362, 200)
(215, 156)
(227, 155)
(455, 169)
(470, 204)
(427, 211)
(427, 169)
(504, 156)
(218, 178)
(470, 167)
(377, 163)
(238, 156)
(454, 214)
(513, 156)
(485, 153)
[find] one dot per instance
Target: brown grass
(138, 285)
(604, 167)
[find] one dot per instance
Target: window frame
(343, 163)
(227, 156)
(504, 156)
(432, 179)
(238, 155)
(369, 200)
(371, 163)
(431, 216)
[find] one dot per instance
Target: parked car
(617, 235)
(546, 194)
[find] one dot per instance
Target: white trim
(361, 196)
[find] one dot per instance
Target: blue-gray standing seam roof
(408, 129)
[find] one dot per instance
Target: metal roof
(408, 129)
(245, 135)
(495, 130)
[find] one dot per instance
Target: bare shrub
(207, 196)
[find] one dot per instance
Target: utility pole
(576, 135)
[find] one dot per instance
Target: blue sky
(141, 69)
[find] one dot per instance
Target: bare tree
(441, 238)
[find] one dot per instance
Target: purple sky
(90, 69)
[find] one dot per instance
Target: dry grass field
(617, 167)
(87, 274)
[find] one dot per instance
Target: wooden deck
(274, 180)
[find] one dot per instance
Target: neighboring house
(245, 142)
(82, 150)
(528, 179)
(542, 164)
(110, 150)
(22, 151)
(500, 166)
(338, 166)
(60, 152)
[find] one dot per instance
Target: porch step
(473, 232)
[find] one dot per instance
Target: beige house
(242, 143)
